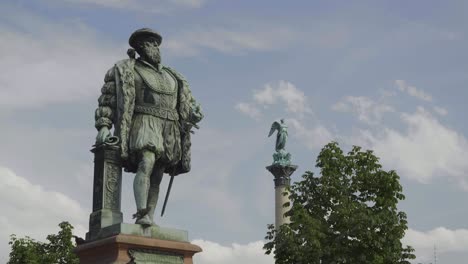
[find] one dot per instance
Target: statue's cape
(124, 73)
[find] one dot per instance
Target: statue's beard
(151, 55)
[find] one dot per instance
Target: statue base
(127, 249)
(137, 230)
(132, 244)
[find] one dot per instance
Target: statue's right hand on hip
(102, 135)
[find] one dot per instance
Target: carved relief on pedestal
(112, 197)
(152, 256)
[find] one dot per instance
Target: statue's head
(282, 121)
(146, 43)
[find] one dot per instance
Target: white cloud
(314, 137)
(236, 41)
(295, 102)
(285, 92)
(266, 96)
(249, 110)
(29, 209)
(444, 239)
(46, 63)
(282, 92)
(251, 253)
(426, 149)
(413, 91)
(440, 110)
(294, 98)
(366, 109)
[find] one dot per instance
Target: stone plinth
(107, 189)
(282, 174)
(109, 240)
(158, 232)
(128, 249)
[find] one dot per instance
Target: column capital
(282, 173)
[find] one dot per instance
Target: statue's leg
(153, 193)
(141, 186)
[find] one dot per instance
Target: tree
(348, 215)
(58, 249)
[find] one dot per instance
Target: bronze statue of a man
(152, 111)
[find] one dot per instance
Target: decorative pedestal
(107, 189)
(282, 174)
(130, 249)
(109, 241)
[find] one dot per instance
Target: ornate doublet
(156, 92)
(155, 125)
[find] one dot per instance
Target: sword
(167, 195)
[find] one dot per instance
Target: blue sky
(386, 75)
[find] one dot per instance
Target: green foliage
(348, 215)
(25, 250)
(58, 249)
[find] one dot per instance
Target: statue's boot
(153, 196)
(144, 221)
(141, 216)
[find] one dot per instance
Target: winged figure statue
(282, 134)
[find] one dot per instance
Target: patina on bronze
(152, 111)
(281, 157)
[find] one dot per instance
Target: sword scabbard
(167, 195)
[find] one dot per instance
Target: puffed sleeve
(104, 114)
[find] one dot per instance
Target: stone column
(282, 174)
(107, 189)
